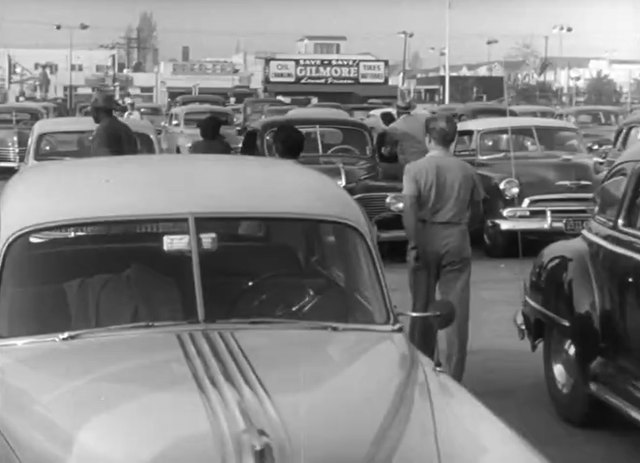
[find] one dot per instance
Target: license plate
(575, 225)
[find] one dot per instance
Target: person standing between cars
(112, 136)
(406, 136)
(212, 142)
(132, 112)
(288, 142)
(441, 195)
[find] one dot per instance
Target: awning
(367, 91)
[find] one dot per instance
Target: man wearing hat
(212, 142)
(406, 136)
(112, 137)
(132, 112)
(441, 195)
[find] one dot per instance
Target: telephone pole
(546, 57)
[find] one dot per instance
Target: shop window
(77, 67)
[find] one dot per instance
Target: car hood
(337, 167)
(150, 396)
(552, 173)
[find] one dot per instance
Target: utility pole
(447, 73)
(138, 47)
(546, 56)
(406, 36)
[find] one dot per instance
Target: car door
(608, 256)
(628, 267)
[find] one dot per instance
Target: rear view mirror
(442, 313)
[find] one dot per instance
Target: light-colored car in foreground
(70, 138)
(181, 127)
(231, 318)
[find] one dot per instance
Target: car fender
(467, 430)
(561, 289)
(494, 201)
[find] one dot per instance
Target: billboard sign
(326, 71)
(199, 68)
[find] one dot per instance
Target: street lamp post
(490, 43)
(447, 76)
(80, 27)
(406, 36)
(562, 29)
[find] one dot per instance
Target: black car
(597, 123)
(341, 147)
(582, 301)
(626, 136)
(537, 175)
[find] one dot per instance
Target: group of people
(441, 195)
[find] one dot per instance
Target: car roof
(631, 119)
(531, 107)
(499, 122)
(319, 111)
(305, 119)
(25, 105)
(201, 108)
(66, 124)
(575, 109)
(46, 193)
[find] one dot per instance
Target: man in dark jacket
(112, 137)
(212, 142)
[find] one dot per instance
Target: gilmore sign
(326, 71)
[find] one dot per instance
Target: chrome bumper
(549, 220)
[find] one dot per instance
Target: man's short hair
(289, 141)
(442, 129)
(210, 127)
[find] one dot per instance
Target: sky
(212, 28)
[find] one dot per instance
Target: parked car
(16, 121)
(253, 109)
(181, 127)
(342, 148)
(533, 111)
(70, 138)
(277, 110)
(185, 100)
(237, 115)
(597, 123)
(537, 174)
(154, 113)
(168, 313)
(581, 302)
(627, 136)
(361, 111)
(475, 110)
(50, 108)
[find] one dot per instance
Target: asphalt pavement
(507, 377)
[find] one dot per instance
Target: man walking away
(112, 136)
(132, 112)
(212, 142)
(406, 136)
(441, 194)
(288, 142)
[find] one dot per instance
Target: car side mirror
(442, 313)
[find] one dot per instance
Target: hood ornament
(574, 184)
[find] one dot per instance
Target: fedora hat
(103, 101)
(405, 102)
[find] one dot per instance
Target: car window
(631, 214)
(103, 274)
(463, 143)
(609, 195)
(19, 117)
(632, 137)
(329, 139)
(192, 118)
(71, 145)
(498, 142)
(560, 139)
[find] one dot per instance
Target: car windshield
(585, 118)
(150, 111)
(18, 117)
(104, 274)
(534, 113)
(329, 139)
(64, 145)
(192, 118)
(523, 139)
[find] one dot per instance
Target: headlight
(395, 202)
(510, 188)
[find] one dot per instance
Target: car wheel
(496, 243)
(566, 379)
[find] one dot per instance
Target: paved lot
(507, 377)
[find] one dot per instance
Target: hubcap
(563, 363)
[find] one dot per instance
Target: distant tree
(602, 90)
(415, 62)
(525, 51)
(538, 93)
(146, 33)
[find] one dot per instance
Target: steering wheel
(347, 148)
(266, 298)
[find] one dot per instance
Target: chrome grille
(10, 155)
(373, 204)
(560, 206)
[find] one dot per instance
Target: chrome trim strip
(612, 247)
(368, 195)
(343, 175)
(606, 395)
(534, 305)
(573, 183)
